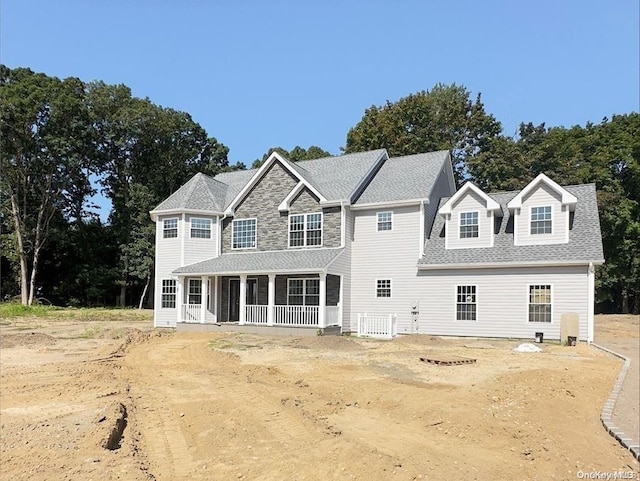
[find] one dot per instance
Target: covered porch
(302, 297)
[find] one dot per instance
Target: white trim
(490, 204)
(431, 267)
(182, 237)
(567, 219)
(343, 225)
(274, 157)
(285, 205)
(219, 221)
(492, 228)
(390, 221)
(421, 232)
(455, 303)
(242, 313)
(305, 231)
(255, 246)
(390, 288)
(566, 197)
(155, 214)
(551, 288)
(388, 204)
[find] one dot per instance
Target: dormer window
(468, 225)
(169, 228)
(541, 220)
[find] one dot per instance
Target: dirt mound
(26, 339)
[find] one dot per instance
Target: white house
(364, 241)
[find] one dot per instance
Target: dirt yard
(104, 400)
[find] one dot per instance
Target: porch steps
(257, 329)
(447, 360)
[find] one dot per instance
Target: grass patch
(9, 310)
(90, 332)
(221, 344)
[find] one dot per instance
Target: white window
(168, 294)
(383, 288)
(169, 228)
(385, 221)
(244, 234)
(195, 291)
(305, 230)
(541, 220)
(468, 225)
(466, 307)
(540, 303)
(303, 292)
(200, 228)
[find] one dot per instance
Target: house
(376, 245)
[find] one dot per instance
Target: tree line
(63, 141)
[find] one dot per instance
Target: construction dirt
(105, 400)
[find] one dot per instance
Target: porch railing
(296, 315)
(332, 316)
(191, 312)
(384, 327)
(256, 314)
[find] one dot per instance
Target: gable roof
(409, 177)
(566, 197)
(263, 262)
(490, 204)
(584, 246)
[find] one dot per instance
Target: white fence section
(332, 316)
(191, 312)
(384, 327)
(296, 315)
(256, 314)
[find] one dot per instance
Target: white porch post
(215, 298)
(322, 308)
(180, 297)
(243, 299)
(341, 302)
(204, 294)
(271, 299)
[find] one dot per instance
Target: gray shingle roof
(403, 178)
(585, 241)
(289, 261)
(201, 192)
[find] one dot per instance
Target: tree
(444, 118)
(45, 161)
(295, 155)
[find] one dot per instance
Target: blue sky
(257, 74)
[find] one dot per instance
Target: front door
(234, 300)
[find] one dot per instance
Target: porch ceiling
(265, 262)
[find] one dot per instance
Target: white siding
(385, 255)
(342, 266)
(542, 196)
(168, 257)
(502, 301)
(470, 202)
(195, 249)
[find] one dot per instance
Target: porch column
(180, 297)
(243, 299)
(215, 299)
(203, 303)
(322, 308)
(271, 299)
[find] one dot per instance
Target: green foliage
(9, 310)
(295, 155)
(443, 118)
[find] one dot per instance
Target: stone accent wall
(262, 204)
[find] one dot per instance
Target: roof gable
(295, 171)
(566, 198)
(466, 189)
(201, 193)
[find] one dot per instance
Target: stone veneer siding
(262, 204)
